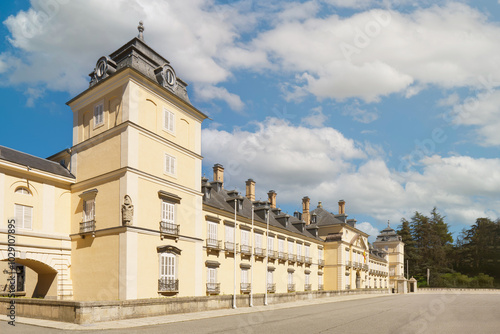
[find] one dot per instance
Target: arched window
(22, 190)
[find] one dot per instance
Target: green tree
(411, 256)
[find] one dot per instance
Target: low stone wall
(90, 312)
(458, 290)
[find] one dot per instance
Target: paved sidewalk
(166, 319)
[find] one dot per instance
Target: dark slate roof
(324, 217)
(388, 234)
(218, 199)
(31, 161)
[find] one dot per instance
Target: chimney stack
(305, 210)
(250, 193)
(341, 207)
(272, 198)
(219, 174)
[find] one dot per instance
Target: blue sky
(389, 105)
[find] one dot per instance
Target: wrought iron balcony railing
(272, 254)
(87, 227)
(291, 287)
(246, 249)
(169, 228)
(321, 262)
(168, 285)
(307, 287)
(320, 287)
(214, 244)
(271, 287)
(282, 256)
(309, 260)
(245, 287)
(291, 257)
(348, 264)
(365, 267)
(213, 288)
(300, 259)
(229, 246)
(259, 252)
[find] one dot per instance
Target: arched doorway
(34, 279)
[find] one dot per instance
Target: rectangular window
(245, 238)
(24, 216)
(212, 231)
(229, 233)
(307, 251)
(306, 280)
(168, 120)
(212, 275)
(299, 250)
(290, 247)
(269, 277)
(281, 245)
(88, 210)
(270, 243)
(167, 212)
(244, 276)
(258, 240)
(320, 280)
(290, 278)
(98, 114)
(170, 164)
(167, 266)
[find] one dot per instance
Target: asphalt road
(419, 313)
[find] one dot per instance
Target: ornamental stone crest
(127, 211)
(104, 68)
(166, 76)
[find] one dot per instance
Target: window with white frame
(320, 280)
(270, 244)
(299, 250)
(99, 114)
(290, 278)
(258, 240)
(212, 233)
(229, 237)
(347, 257)
(167, 212)
(281, 245)
(306, 279)
(270, 278)
(245, 238)
(212, 275)
(168, 120)
(290, 247)
(320, 254)
(244, 276)
(24, 216)
(168, 268)
(307, 251)
(170, 164)
(88, 210)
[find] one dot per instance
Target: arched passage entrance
(39, 282)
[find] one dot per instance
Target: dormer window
(22, 191)
(314, 218)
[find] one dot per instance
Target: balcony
(365, 267)
(348, 264)
(214, 244)
(246, 249)
(321, 262)
(291, 287)
(271, 287)
(320, 287)
(307, 287)
(169, 229)
(291, 257)
(213, 288)
(309, 260)
(245, 287)
(87, 227)
(272, 254)
(348, 287)
(282, 256)
(259, 252)
(300, 259)
(229, 246)
(168, 285)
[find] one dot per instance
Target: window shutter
(28, 213)
(229, 233)
(19, 215)
(244, 238)
(171, 121)
(270, 242)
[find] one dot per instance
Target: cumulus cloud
(325, 165)
(378, 52)
(369, 229)
(316, 118)
(208, 93)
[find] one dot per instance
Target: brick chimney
(341, 207)
(305, 210)
(250, 193)
(219, 174)
(272, 198)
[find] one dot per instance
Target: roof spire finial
(388, 223)
(140, 27)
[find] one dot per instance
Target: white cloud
(208, 93)
(325, 165)
(316, 118)
(33, 94)
(376, 52)
(360, 115)
(369, 229)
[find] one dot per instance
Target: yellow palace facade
(125, 214)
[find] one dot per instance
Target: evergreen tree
(411, 255)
